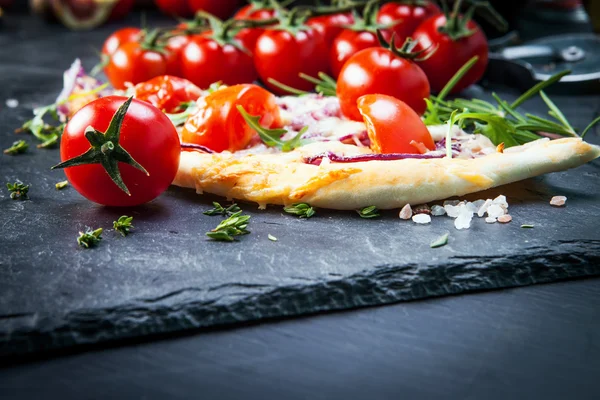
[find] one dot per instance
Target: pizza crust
(284, 178)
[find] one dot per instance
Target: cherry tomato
(392, 125)
(410, 16)
(175, 46)
(204, 61)
(249, 36)
(451, 55)
(219, 8)
(132, 63)
(331, 25)
(348, 43)
(119, 37)
(146, 134)
(175, 8)
(282, 55)
(167, 92)
(121, 9)
(218, 124)
(379, 70)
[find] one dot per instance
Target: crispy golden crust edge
(283, 179)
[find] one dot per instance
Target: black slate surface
(167, 277)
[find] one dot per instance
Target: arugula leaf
(272, 137)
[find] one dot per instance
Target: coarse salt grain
(478, 204)
(501, 201)
(451, 210)
(471, 207)
(12, 103)
(437, 210)
(495, 211)
(483, 209)
(490, 220)
(451, 202)
(463, 220)
(558, 201)
(506, 218)
(421, 218)
(406, 212)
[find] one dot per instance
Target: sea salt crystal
(478, 203)
(437, 210)
(506, 218)
(463, 220)
(483, 209)
(558, 201)
(406, 212)
(501, 201)
(471, 207)
(452, 211)
(495, 211)
(12, 103)
(421, 218)
(451, 202)
(490, 220)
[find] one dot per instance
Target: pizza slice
(320, 158)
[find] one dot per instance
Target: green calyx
(106, 150)
(368, 20)
(405, 51)
(456, 24)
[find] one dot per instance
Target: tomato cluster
(385, 62)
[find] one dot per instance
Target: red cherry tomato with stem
(331, 25)
(393, 126)
(139, 61)
(145, 133)
(457, 41)
(218, 124)
(405, 17)
(282, 54)
(389, 71)
(119, 37)
(253, 12)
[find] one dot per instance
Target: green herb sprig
(18, 190)
(233, 226)
(18, 147)
(302, 210)
(89, 238)
(220, 210)
(123, 225)
(368, 212)
(501, 122)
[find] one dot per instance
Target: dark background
(535, 342)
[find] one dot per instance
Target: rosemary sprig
(302, 210)
(18, 147)
(220, 210)
(368, 212)
(89, 238)
(18, 190)
(233, 226)
(123, 225)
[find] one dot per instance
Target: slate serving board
(167, 276)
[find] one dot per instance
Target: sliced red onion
(441, 145)
(69, 82)
(316, 160)
(198, 147)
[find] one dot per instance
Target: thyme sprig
(233, 226)
(302, 210)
